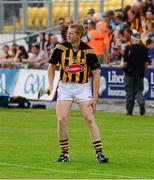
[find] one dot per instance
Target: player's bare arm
(96, 83)
(51, 75)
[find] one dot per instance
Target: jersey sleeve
(55, 57)
(92, 59)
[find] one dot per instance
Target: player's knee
(89, 119)
(61, 121)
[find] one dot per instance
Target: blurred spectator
(151, 33)
(30, 40)
(110, 37)
(52, 42)
(38, 58)
(126, 9)
(41, 40)
(85, 25)
(115, 57)
(148, 4)
(5, 54)
(48, 51)
(150, 16)
(21, 54)
(119, 22)
(97, 17)
(111, 19)
(120, 12)
(90, 14)
(47, 41)
(136, 6)
(95, 40)
(150, 46)
(13, 51)
(127, 35)
(69, 21)
(101, 25)
(134, 20)
(118, 37)
(63, 28)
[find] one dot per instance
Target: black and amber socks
(64, 146)
(98, 146)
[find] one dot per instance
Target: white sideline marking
(71, 172)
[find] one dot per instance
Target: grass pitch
(29, 146)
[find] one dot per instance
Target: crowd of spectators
(117, 27)
(108, 34)
(37, 55)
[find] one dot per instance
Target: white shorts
(74, 91)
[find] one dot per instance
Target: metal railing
(19, 10)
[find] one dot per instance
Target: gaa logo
(74, 68)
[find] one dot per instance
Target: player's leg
(63, 106)
(62, 110)
(87, 112)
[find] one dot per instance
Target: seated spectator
(41, 40)
(6, 54)
(150, 46)
(13, 51)
(21, 54)
(52, 42)
(38, 58)
(47, 41)
(7, 62)
(115, 57)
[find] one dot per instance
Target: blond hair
(79, 29)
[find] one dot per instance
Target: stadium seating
(30, 23)
(44, 22)
(37, 16)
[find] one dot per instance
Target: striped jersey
(74, 66)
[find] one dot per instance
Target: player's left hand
(93, 104)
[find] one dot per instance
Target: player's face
(72, 36)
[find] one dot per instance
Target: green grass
(29, 146)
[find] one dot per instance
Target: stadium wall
(27, 82)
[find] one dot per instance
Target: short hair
(61, 18)
(6, 46)
(91, 11)
(37, 46)
(79, 29)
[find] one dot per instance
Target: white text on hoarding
(114, 78)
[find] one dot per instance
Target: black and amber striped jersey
(136, 24)
(74, 66)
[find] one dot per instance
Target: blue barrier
(8, 80)
(112, 83)
(17, 81)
